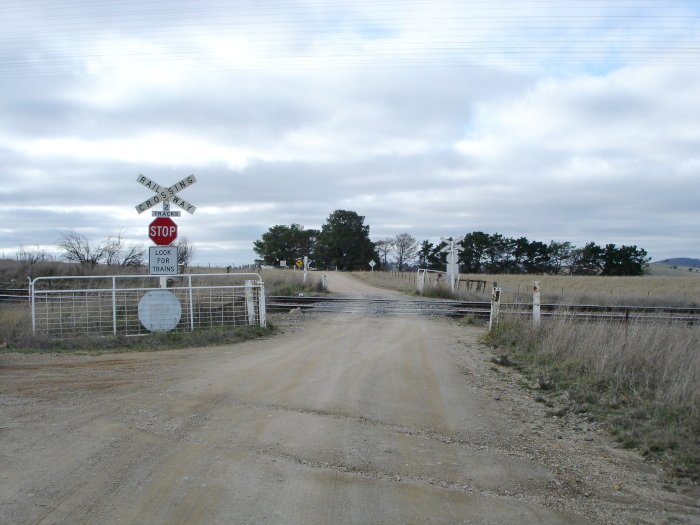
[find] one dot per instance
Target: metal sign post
(372, 264)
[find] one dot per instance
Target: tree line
(343, 242)
(495, 253)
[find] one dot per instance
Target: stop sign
(162, 231)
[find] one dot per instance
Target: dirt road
(340, 419)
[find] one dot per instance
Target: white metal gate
(109, 305)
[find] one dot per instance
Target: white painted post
(420, 281)
(31, 300)
(163, 282)
(536, 303)
(249, 302)
(114, 305)
(495, 306)
(262, 314)
(306, 266)
(189, 286)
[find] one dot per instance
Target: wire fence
(137, 304)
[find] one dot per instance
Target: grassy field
(682, 290)
(641, 381)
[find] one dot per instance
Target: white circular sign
(159, 311)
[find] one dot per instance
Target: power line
(288, 36)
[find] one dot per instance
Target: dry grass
(641, 380)
(290, 282)
(15, 324)
(403, 282)
(645, 290)
(683, 290)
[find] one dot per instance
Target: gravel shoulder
(340, 419)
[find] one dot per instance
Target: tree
(496, 252)
(518, 255)
(626, 260)
(116, 253)
(344, 242)
(133, 255)
(384, 247)
(587, 260)
(536, 257)
(475, 245)
(406, 249)
(432, 257)
(424, 254)
(285, 243)
(77, 249)
(32, 256)
(559, 255)
(185, 253)
(112, 251)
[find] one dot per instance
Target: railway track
(448, 308)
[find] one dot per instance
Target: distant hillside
(687, 262)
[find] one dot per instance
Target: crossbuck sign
(166, 195)
(452, 251)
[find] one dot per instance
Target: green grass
(642, 382)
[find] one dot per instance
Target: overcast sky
(551, 119)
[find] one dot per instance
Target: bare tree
(112, 250)
(185, 253)
(384, 247)
(119, 254)
(134, 255)
(406, 247)
(78, 249)
(31, 256)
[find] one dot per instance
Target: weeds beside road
(642, 381)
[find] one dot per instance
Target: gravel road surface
(339, 419)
